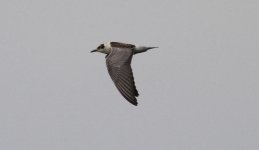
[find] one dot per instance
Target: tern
(118, 60)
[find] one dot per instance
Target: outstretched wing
(118, 64)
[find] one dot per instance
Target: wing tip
(135, 103)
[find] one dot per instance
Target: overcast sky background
(198, 91)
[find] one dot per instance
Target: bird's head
(103, 48)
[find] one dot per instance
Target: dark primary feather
(118, 64)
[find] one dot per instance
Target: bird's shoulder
(119, 55)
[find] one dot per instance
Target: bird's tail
(141, 49)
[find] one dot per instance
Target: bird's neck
(106, 50)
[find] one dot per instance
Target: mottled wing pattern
(118, 64)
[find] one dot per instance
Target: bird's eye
(100, 47)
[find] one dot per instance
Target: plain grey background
(198, 91)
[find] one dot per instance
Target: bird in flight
(118, 60)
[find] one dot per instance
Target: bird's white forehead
(107, 45)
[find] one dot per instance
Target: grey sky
(198, 91)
